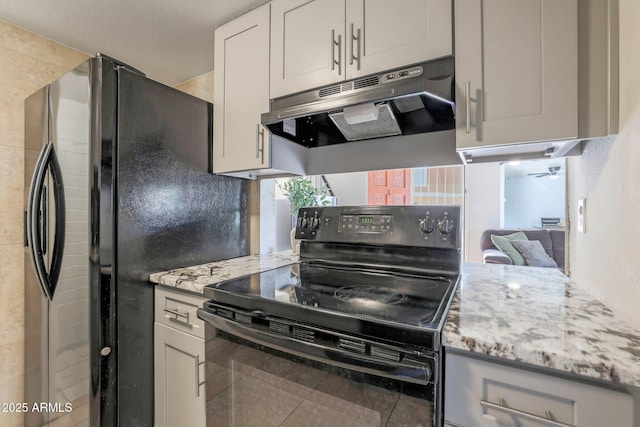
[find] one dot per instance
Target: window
(438, 186)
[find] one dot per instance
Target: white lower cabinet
(179, 355)
(482, 394)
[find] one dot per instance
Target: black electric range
(384, 272)
(370, 292)
(401, 306)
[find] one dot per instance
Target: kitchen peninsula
(529, 344)
(540, 317)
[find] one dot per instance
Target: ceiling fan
(553, 172)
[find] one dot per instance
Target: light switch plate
(582, 205)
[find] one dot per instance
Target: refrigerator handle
(44, 244)
(33, 217)
(60, 220)
(37, 214)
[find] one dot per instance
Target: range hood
(407, 101)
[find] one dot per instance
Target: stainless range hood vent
(328, 91)
(410, 101)
(366, 82)
(345, 87)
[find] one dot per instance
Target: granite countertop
(195, 278)
(540, 317)
(526, 314)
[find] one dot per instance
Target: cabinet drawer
(178, 310)
(480, 394)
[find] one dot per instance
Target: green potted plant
(301, 193)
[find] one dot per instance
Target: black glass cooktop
(357, 300)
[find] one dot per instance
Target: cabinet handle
(259, 142)
(198, 382)
(515, 412)
(467, 105)
(357, 38)
(177, 315)
(335, 43)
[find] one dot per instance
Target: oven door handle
(415, 373)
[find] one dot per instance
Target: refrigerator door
(170, 212)
(57, 362)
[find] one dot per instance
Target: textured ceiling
(169, 40)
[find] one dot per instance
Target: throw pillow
(504, 244)
(533, 253)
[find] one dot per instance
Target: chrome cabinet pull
(260, 142)
(335, 43)
(177, 315)
(257, 140)
(355, 37)
(467, 105)
(198, 382)
(515, 412)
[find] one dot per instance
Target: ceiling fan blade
(554, 170)
(539, 175)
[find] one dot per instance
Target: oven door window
(251, 385)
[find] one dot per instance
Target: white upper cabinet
(241, 93)
(516, 71)
(307, 44)
(385, 34)
(319, 42)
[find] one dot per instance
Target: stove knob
(314, 223)
(445, 226)
(426, 226)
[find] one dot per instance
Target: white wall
(269, 242)
(482, 205)
(604, 259)
(350, 188)
(528, 198)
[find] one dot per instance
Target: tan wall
(27, 62)
(605, 258)
(201, 86)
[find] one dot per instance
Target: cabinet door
(241, 93)
(179, 378)
(307, 44)
(486, 394)
(516, 71)
(384, 34)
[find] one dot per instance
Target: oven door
(258, 378)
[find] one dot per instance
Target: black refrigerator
(117, 186)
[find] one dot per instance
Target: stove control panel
(365, 223)
(425, 226)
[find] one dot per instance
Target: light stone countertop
(540, 317)
(526, 314)
(195, 278)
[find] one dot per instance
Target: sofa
(552, 240)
